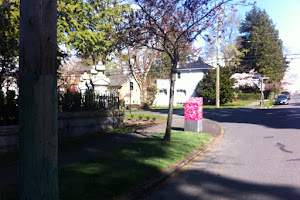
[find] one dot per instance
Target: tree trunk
(167, 136)
(143, 98)
(38, 100)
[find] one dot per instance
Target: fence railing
(67, 102)
(75, 101)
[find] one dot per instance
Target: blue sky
(286, 17)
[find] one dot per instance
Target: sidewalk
(9, 173)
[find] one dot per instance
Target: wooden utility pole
(38, 100)
(218, 63)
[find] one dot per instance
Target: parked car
(287, 94)
(282, 99)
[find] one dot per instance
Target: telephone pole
(218, 63)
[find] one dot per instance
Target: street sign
(255, 79)
(262, 87)
(131, 85)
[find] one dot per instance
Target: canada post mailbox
(193, 114)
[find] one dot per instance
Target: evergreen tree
(264, 49)
(207, 86)
(9, 36)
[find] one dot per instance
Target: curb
(140, 191)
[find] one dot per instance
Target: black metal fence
(67, 102)
(75, 101)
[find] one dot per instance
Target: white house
(97, 81)
(186, 84)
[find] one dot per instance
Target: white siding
(185, 87)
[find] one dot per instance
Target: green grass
(267, 104)
(165, 107)
(113, 174)
(136, 116)
(89, 138)
(231, 104)
(10, 157)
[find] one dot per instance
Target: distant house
(95, 81)
(186, 84)
(121, 83)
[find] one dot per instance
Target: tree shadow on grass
(112, 174)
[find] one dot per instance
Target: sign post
(131, 88)
(262, 88)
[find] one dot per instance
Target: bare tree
(38, 99)
(143, 59)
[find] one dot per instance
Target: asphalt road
(258, 158)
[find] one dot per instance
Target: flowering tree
(169, 26)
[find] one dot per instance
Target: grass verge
(231, 104)
(89, 138)
(113, 174)
(267, 103)
(136, 116)
(10, 157)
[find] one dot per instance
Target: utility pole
(218, 63)
(38, 100)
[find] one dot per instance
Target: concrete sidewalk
(9, 173)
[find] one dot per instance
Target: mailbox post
(193, 114)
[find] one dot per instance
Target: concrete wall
(70, 125)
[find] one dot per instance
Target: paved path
(258, 158)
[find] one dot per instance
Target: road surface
(258, 158)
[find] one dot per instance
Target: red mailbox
(193, 114)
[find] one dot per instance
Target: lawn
(136, 116)
(10, 157)
(267, 104)
(112, 174)
(240, 103)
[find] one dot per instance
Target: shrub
(249, 96)
(154, 118)
(140, 116)
(132, 115)
(147, 116)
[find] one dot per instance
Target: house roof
(117, 80)
(198, 65)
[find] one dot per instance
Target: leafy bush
(154, 118)
(132, 115)
(249, 96)
(148, 116)
(140, 116)
(151, 91)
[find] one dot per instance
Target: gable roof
(117, 80)
(198, 65)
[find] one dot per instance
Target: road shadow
(280, 118)
(195, 184)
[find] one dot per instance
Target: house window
(179, 75)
